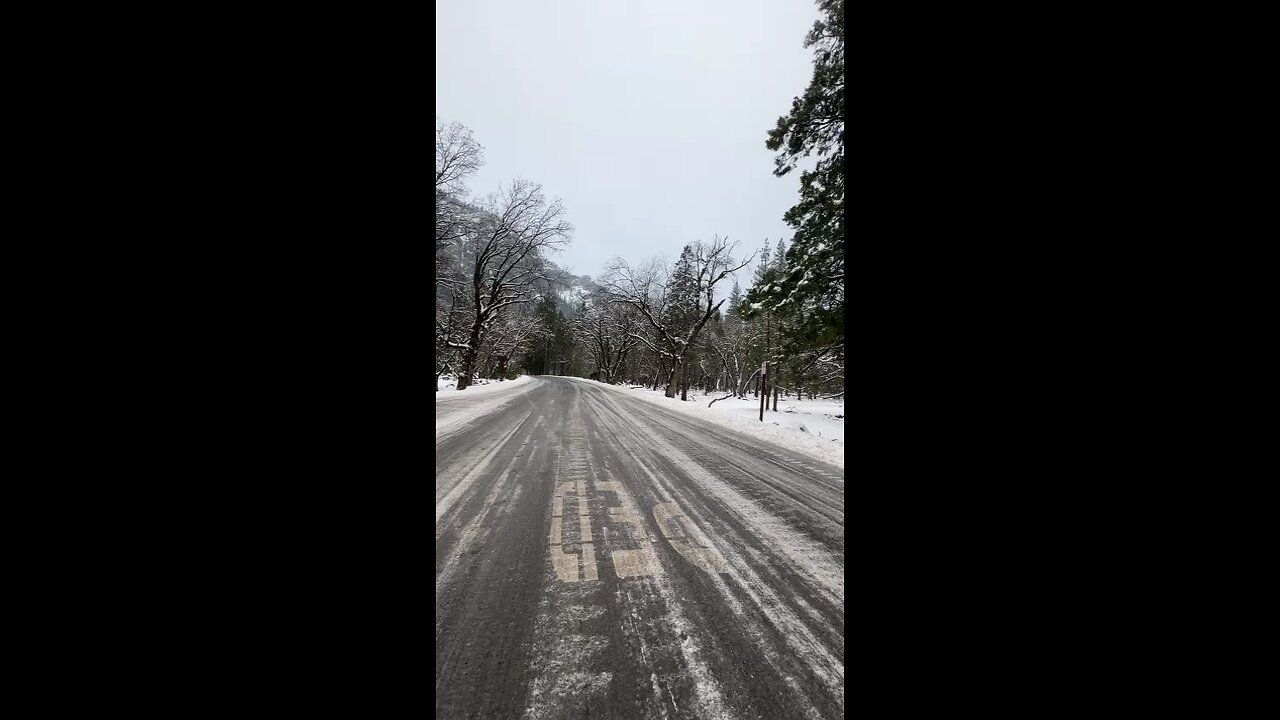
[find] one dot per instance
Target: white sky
(647, 118)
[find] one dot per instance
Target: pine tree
(683, 307)
(801, 293)
(814, 278)
(735, 299)
(763, 266)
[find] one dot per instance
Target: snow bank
(811, 427)
(456, 410)
(448, 387)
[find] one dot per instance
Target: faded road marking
(566, 564)
(671, 521)
(628, 516)
(633, 563)
(589, 562)
(636, 563)
(576, 486)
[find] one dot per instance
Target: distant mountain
(569, 288)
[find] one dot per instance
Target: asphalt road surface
(598, 556)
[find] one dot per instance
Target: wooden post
(764, 388)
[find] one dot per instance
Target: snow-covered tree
(608, 332)
(517, 226)
(650, 294)
(808, 290)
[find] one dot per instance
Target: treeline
(491, 264)
(687, 324)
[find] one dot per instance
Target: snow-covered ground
(456, 409)
(448, 386)
(815, 427)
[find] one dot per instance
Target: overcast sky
(647, 119)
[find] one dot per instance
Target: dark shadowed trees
(512, 234)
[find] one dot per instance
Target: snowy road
(601, 556)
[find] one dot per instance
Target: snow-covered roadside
(809, 426)
(447, 387)
(455, 410)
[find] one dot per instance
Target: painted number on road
(685, 537)
(570, 501)
(642, 561)
(566, 564)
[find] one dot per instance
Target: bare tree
(729, 347)
(608, 331)
(513, 333)
(517, 227)
(711, 263)
(458, 156)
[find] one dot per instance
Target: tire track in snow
(464, 482)
(816, 560)
(802, 637)
(489, 588)
(640, 618)
(750, 634)
(456, 412)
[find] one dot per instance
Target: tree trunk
(670, 390)
(775, 398)
(468, 362)
(684, 380)
(469, 358)
(502, 368)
